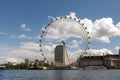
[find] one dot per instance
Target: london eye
(69, 30)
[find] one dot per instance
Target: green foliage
(30, 65)
(36, 65)
(40, 64)
(22, 66)
(46, 64)
(26, 65)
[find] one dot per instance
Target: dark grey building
(61, 57)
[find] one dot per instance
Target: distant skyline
(21, 23)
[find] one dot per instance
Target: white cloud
(99, 52)
(19, 55)
(75, 44)
(72, 14)
(22, 36)
(117, 48)
(24, 27)
(28, 50)
(50, 17)
(37, 37)
(118, 25)
(102, 29)
(64, 29)
(30, 46)
(3, 33)
(3, 46)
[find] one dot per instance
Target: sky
(21, 23)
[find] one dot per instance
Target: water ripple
(59, 74)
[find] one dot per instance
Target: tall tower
(61, 55)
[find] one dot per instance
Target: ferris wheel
(68, 29)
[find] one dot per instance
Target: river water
(60, 74)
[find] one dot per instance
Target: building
(112, 61)
(91, 61)
(61, 56)
(109, 61)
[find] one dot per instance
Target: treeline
(26, 65)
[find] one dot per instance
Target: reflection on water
(59, 74)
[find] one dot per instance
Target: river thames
(60, 74)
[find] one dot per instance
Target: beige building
(108, 61)
(112, 61)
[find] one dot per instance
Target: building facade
(61, 57)
(108, 61)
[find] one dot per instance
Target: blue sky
(22, 20)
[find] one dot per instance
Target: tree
(35, 65)
(46, 64)
(22, 66)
